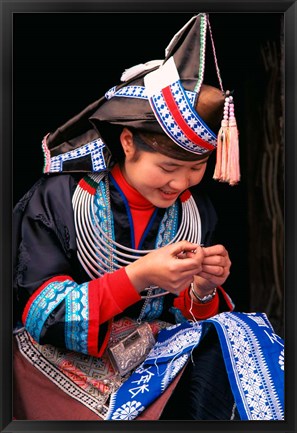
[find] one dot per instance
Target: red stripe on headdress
(173, 107)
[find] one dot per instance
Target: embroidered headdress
(164, 101)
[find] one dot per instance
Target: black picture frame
(8, 9)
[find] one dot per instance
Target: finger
(215, 261)
(196, 253)
(215, 250)
(217, 271)
(186, 266)
(175, 285)
(183, 247)
(210, 278)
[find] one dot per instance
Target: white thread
(195, 321)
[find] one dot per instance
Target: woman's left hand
(215, 269)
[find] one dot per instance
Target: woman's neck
(141, 209)
(134, 198)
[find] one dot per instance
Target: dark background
(64, 61)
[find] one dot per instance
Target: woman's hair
(150, 142)
(146, 142)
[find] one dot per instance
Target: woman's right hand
(171, 267)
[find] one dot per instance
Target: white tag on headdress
(157, 80)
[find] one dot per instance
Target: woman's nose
(180, 183)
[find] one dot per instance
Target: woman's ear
(126, 139)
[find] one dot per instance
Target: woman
(118, 282)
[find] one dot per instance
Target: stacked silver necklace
(98, 252)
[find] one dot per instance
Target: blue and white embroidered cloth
(254, 359)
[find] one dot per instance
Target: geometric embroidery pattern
(88, 379)
(139, 92)
(77, 319)
(168, 356)
(94, 148)
(255, 375)
(43, 305)
(95, 402)
(252, 374)
(188, 115)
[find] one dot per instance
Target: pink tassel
(233, 169)
(227, 162)
(224, 157)
(221, 144)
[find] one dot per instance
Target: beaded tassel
(222, 143)
(227, 161)
(233, 169)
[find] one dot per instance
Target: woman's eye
(167, 170)
(198, 167)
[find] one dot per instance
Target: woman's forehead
(162, 159)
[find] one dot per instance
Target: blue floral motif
(128, 411)
(255, 376)
(281, 360)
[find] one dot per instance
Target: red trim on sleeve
(94, 326)
(116, 294)
(94, 307)
(199, 311)
(106, 339)
(108, 296)
(122, 289)
(59, 278)
(203, 311)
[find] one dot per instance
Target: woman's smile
(169, 195)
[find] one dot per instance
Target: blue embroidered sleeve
(76, 321)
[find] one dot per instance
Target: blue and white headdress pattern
(158, 97)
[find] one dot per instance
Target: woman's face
(159, 178)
